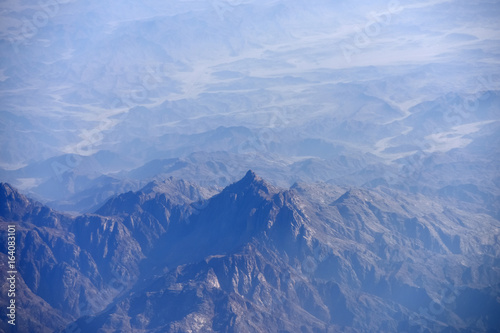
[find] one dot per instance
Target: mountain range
(253, 257)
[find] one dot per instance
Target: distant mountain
(174, 257)
(72, 182)
(363, 140)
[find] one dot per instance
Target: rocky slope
(74, 266)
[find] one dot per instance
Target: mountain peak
(177, 191)
(352, 195)
(252, 176)
(13, 204)
(6, 187)
(251, 183)
(9, 193)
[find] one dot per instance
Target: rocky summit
(174, 257)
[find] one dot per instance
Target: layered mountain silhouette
(175, 257)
